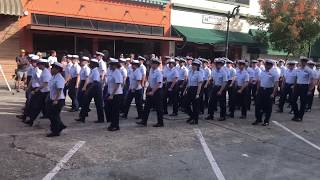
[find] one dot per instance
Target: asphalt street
(239, 150)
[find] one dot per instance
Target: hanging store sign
(211, 19)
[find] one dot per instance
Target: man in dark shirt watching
(22, 67)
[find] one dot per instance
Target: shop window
(145, 30)
(89, 24)
(40, 19)
(104, 26)
(157, 31)
(74, 23)
(119, 27)
(133, 28)
(57, 21)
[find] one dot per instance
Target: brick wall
(9, 44)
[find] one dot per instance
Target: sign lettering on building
(211, 19)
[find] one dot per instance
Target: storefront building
(203, 25)
(85, 26)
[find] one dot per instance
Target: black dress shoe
(141, 123)
(165, 112)
(158, 125)
(265, 124)
(174, 114)
(189, 120)
(193, 123)
(73, 110)
(30, 123)
(222, 119)
(296, 119)
(256, 123)
(80, 120)
(279, 111)
(53, 134)
(242, 117)
(98, 121)
(231, 115)
(113, 128)
(138, 118)
(124, 116)
(44, 117)
(210, 117)
(21, 117)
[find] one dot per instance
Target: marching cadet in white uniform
(193, 91)
(231, 72)
(124, 74)
(114, 97)
(182, 80)
(205, 94)
(241, 91)
(93, 90)
(310, 96)
(254, 73)
(267, 88)
(218, 94)
(57, 100)
(171, 88)
(154, 94)
(74, 83)
(102, 67)
(67, 73)
(302, 88)
(143, 70)
(288, 82)
(33, 84)
(40, 93)
(84, 79)
(135, 90)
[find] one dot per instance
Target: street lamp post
(235, 13)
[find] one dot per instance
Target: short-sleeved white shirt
(94, 75)
(136, 76)
(115, 77)
(57, 84)
(84, 72)
(45, 77)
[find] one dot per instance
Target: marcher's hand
(219, 93)
(150, 93)
(197, 96)
(110, 97)
(206, 86)
(239, 91)
(83, 89)
(272, 95)
(309, 92)
(231, 85)
(55, 102)
(170, 89)
(132, 90)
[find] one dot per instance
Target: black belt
(264, 88)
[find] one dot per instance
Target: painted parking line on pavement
(209, 155)
(64, 160)
(296, 135)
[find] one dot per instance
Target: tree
(292, 25)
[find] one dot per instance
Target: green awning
(11, 7)
(211, 36)
(155, 2)
(270, 50)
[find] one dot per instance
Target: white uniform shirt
(155, 77)
(268, 78)
(94, 75)
(143, 69)
(206, 73)
(171, 74)
(75, 70)
(219, 76)
(84, 72)
(45, 77)
(304, 75)
(183, 72)
(115, 77)
(30, 70)
(35, 80)
(56, 83)
(102, 66)
(136, 76)
(67, 70)
(195, 77)
(124, 72)
(290, 76)
(242, 77)
(231, 72)
(282, 70)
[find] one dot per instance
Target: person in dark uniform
(40, 94)
(57, 100)
(289, 79)
(74, 83)
(267, 87)
(135, 90)
(310, 96)
(92, 90)
(154, 94)
(171, 88)
(114, 98)
(193, 91)
(218, 94)
(241, 91)
(84, 78)
(302, 88)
